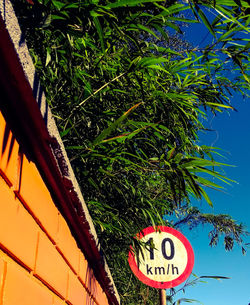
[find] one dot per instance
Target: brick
(83, 267)
(87, 276)
(58, 301)
(91, 301)
(18, 230)
(50, 266)
(8, 153)
(2, 278)
(99, 295)
(67, 244)
(36, 196)
(23, 289)
(77, 294)
(90, 280)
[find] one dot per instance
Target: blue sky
(232, 134)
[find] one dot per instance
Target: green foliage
(221, 225)
(129, 97)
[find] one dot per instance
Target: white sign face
(166, 261)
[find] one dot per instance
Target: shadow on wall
(7, 135)
(91, 286)
(9, 153)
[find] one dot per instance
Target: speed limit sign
(166, 260)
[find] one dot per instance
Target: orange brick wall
(40, 262)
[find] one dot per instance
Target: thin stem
(98, 90)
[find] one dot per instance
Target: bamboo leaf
(106, 132)
(128, 3)
(204, 19)
(148, 61)
(99, 30)
(216, 277)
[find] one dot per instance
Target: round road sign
(166, 261)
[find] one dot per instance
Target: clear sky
(232, 134)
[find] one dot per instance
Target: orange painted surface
(75, 295)
(40, 262)
(21, 288)
(36, 197)
(17, 228)
(87, 277)
(99, 295)
(83, 268)
(8, 153)
(3, 272)
(67, 245)
(58, 301)
(51, 267)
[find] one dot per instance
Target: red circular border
(161, 285)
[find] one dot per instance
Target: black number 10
(163, 248)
